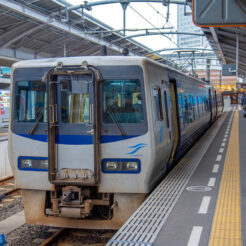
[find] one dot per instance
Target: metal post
(192, 64)
(124, 7)
(208, 70)
(237, 56)
(220, 78)
(104, 50)
(65, 50)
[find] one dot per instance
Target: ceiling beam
(56, 24)
(216, 40)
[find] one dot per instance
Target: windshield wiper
(115, 120)
(35, 124)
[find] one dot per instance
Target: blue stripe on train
(78, 139)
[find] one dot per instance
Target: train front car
(79, 143)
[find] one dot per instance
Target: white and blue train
(90, 137)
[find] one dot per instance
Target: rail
(54, 238)
(5, 185)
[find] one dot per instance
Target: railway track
(7, 187)
(78, 237)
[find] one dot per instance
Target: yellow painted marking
(226, 228)
(3, 134)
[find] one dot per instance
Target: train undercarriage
(79, 207)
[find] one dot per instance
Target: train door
(174, 102)
(216, 103)
(167, 116)
(211, 99)
(74, 134)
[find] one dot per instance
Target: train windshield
(30, 101)
(75, 100)
(123, 99)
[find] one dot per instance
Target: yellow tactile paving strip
(226, 230)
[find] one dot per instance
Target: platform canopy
(36, 28)
(224, 42)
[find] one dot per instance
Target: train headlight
(121, 166)
(33, 163)
(133, 165)
(26, 163)
(111, 165)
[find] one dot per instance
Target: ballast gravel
(9, 208)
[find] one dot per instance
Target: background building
(199, 61)
(185, 24)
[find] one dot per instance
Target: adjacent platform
(203, 200)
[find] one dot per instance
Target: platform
(5, 169)
(202, 201)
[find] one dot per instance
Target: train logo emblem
(136, 148)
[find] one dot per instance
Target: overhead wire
(50, 12)
(152, 25)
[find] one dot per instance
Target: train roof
(95, 61)
(71, 61)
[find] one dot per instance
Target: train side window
(190, 109)
(206, 104)
(200, 102)
(181, 113)
(198, 110)
(186, 111)
(193, 107)
(166, 108)
(158, 103)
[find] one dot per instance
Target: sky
(154, 16)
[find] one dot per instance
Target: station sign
(229, 70)
(215, 13)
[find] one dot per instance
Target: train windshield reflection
(124, 98)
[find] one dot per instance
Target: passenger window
(181, 106)
(198, 110)
(186, 111)
(195, 107)
(206, 104)
(166, 108)
(158, 103)
(201, 109)
(122, 100)
(190, 109)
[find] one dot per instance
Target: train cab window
(122, 101)
(158, 103)
(30, 101)
(75, 104)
